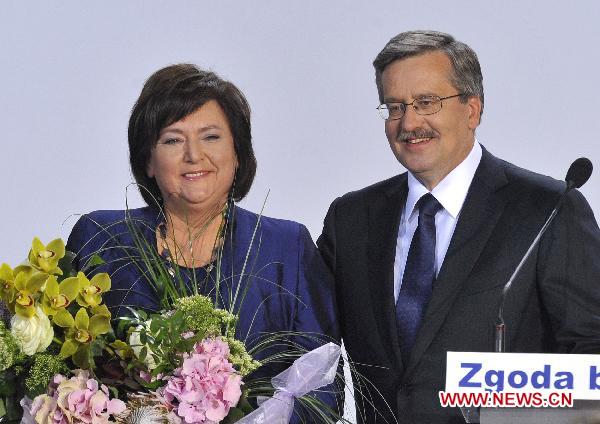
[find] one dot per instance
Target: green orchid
(28, 284)
(7, 284)
(90, 291)
(101, 310)
(80, 334)
(57, 297)
(45, 258)
(121, 349)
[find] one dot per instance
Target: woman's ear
(150, 168)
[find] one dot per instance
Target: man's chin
(415, 164)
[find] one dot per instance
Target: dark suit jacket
(288, 286)
(553, 306)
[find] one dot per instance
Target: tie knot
(428, 205)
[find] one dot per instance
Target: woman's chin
(194, 203)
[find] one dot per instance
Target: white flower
(33, 334)
(136, 345)
(143, 415)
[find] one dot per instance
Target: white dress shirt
(451, 193)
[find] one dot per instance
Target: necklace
(166, 254)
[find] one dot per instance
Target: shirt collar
(451, 191)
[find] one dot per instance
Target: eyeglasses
(427, 105)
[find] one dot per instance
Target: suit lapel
(384, 218)
(478, 217)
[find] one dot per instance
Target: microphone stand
(577, 175)
(500, 326)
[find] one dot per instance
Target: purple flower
(75, 400)
(206, 386)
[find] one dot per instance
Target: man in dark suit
(420, 259)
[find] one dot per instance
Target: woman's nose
(192, 152)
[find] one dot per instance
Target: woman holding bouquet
(191, 155)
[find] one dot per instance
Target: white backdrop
(72, 70)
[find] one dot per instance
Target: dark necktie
(419, 275)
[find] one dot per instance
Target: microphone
(579, 172)
(577, 175)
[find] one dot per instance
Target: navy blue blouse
(275, 262)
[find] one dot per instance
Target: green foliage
(234, 415)
(161, 338)
(43, 368)
(240, 358)
(239, 411)
(11, 394)
(7, 383)
(94, 261)
(66, 264)
(10, 353)
(10, 410)
(202, 318)
(158, 342)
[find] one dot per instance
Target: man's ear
(474, 104)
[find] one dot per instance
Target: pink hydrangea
(76, 400)
(206, 386)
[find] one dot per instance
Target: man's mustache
(408, 135)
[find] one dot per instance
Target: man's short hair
(466, 76)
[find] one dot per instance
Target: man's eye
(425, 102)
(394, 107)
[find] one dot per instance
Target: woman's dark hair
(172, 93)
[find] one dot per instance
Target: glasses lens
(395, 110)
(383, 111)
(427, 105)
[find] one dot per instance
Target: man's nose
(410, 120)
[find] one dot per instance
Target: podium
(582, 412)
(509, 388)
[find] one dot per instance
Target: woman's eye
(212, 137)
(172, 141)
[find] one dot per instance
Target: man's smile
(416, 140)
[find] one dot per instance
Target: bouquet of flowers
(61, 360)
